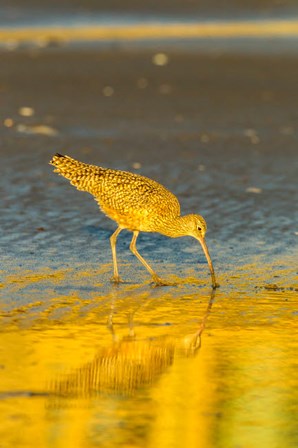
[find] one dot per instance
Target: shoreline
(154, 30)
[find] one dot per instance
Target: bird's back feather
(133, 201)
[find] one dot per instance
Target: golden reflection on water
(154, 30)
(128, 363)
(148, 367)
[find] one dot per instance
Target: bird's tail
(82, 175)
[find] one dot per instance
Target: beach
(216, 123)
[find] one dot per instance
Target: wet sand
(205, 8)
(219, 129)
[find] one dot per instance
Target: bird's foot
(159, 282)
(116, 280)
(215, 285)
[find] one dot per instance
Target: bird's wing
(129, 191)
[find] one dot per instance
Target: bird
(136, 203)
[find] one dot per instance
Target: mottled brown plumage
(136, 203)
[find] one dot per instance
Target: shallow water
(143, 366)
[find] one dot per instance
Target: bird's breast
(138, 219)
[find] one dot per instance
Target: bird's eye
(200, 228)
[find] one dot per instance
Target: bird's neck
(176, 227)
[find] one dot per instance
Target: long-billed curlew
(136, 203)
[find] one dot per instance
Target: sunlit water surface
(142, 366)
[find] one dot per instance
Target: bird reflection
(129, 363)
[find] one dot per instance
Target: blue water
(62, 17)
(84, 13)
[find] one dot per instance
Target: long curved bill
(206, 252)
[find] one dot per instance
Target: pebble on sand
(26, 111)
(108, 91)
(160, 59)
(8, 122)
(254, 190)
(252, 134)
(38, 129)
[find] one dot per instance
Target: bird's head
(197, 226)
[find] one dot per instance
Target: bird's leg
(113, 240)
(134, 250)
